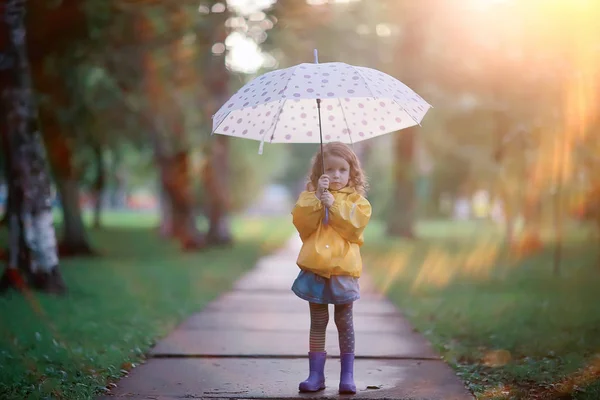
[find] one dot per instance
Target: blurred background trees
(126, 90)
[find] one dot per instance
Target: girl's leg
(319, 317)
(345, 325)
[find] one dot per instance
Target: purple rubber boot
(347, 385)
(316, 377)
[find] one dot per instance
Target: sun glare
(548, 47)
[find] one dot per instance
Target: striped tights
(319, 317)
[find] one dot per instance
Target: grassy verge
(509, 326)
(119, 304)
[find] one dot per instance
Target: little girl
(330, 260)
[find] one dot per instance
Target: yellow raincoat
(331, 249)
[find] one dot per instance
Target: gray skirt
(339, 289)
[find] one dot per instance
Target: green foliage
(297, 165)
(251, 171)
(117, 306)
(332, 29)
(379, 170)
(509, 72)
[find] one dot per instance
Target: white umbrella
(312, 103)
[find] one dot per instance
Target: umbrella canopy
(356, 103)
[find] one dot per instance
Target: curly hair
(357, 178)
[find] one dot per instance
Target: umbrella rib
(223, 120)
(283, 105)
(364, 80)
(346, 121)
(407, 113)
(276, 121)
(400, 105)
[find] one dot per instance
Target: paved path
(252, 342)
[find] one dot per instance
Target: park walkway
(252, 343)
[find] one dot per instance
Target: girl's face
(338, 171)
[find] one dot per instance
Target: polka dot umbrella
(316, 103)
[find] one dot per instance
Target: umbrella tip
(316, 53)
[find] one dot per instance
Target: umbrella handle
(326, 219)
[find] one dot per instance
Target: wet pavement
(252, 343)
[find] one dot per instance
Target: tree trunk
(508, 196)
(118, 197)
(176, 184)
(402, 221)
(509, 210)
(99, 185)
(532, 209)
(32, 237)
(216, 183)
(531, 239)
(166, 211)
(74, 239)
(216, 174)
(4, 218)
(166, 131)
(5, 171)
(74, 236)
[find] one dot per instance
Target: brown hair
(357, 178)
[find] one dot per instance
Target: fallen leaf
(497, 358)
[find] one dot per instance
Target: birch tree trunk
(52, 33)
(74, 240)
(33, 254)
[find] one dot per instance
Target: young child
(330, 260)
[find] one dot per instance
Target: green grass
(509, 327)
(118, 305)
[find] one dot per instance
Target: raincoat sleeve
(307, 214)
(349, 217)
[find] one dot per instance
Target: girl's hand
(327, 199)
(322, 185)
